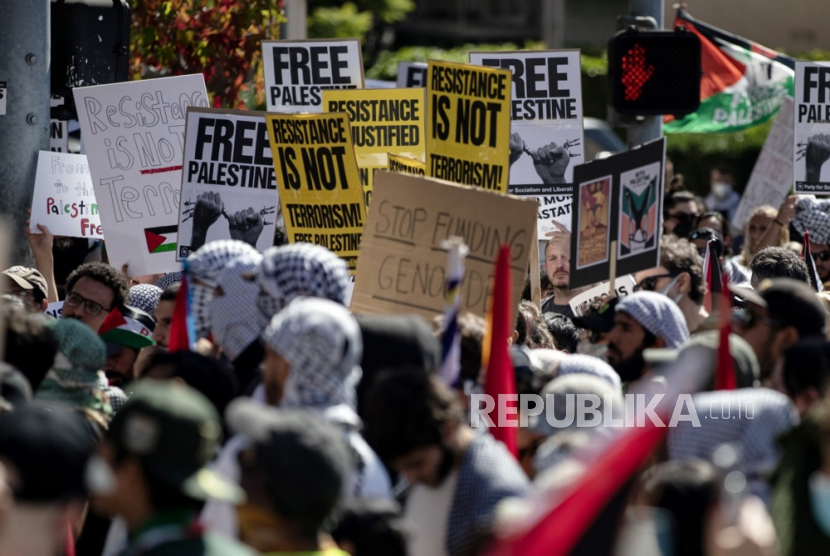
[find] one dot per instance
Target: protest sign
(383, 121)
(55, 309)
(468, 118)
(297, 72)
(134, 138)
(412, 74)
(406, 165)
(319, 185)
(772, 175)
(229, 184)
(617, 199)
(623, 287)
(402, 258)
(63, 199)
(812, 128)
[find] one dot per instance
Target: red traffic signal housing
(654, 72)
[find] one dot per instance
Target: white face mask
(665, 291)
(820, 500)
(721, 190)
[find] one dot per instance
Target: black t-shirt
(548, 306)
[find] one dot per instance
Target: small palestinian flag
(743, 83)
(161, 239)
(123, 326)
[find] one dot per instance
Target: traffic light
(654, 72)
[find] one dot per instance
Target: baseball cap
(174, 431)
(788, 301)
(27, 278)
(601, 320)
(48, 448)
(127, 326)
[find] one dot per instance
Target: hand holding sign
(246, 225)
(818, 151)
(550, 162)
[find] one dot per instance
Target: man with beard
(558, 270)
(416, 425)
(643, 320)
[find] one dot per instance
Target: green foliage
(339, 22)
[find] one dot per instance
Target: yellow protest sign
(383, 121)
(468, 124)
(318, 181)
(406, 165)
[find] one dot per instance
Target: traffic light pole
(650, 127)
(24, 128)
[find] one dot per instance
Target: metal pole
(296, 12)
(649, 128)
(553, 23)
(24, 129)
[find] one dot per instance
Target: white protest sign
(4, 93)
(296, 72)
(812, 126)
(412, 74)
(624, 286)
(772, 175)
(55, 309)
(58, 136)
(134, 138)
(229, 185)
(64, 200)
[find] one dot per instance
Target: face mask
(820, 500)
(665, 291)
(721, 190)
(99, 476)
(683, 229)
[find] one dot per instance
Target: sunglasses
(748, 320)
(821, 256)
(682, 216)
(650, 283)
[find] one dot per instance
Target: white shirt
(427, 513)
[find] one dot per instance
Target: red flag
(725, 368)
(179, 328)
(807, 256)
(500, 375)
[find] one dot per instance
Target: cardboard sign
(229, 184)
(383, 121)
(297, 72)
(402, 261)
(63, 199)
(812, 124)
(319, 185)
(623, 287)
(468, 118)
(55, 310)
(406, 165)
(547, 127)
(772, 175)
(412, 74)
(619, 199)
(134, 138)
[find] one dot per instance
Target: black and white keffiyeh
(169, 279)
(235, 320)
(145, 297)
(814, 216)
(658, 314)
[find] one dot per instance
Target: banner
(229, 185)
(383, 121)
(412, 74)
(468, 118)
(63, 199)
(772, 175)
(623, 286)
(406, 165)
(743, 83)
(619, 199)
(319, 185)
(402, 258)
(812, 125)
(134, 138)
(297, 72)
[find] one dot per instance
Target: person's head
(531, 330)
(145, 297)
(717, 221)
(29, 285)
(679, 213)
(565, 334)
(756, 227)
(701, 237)
(779, 313)
(411, 421)
(371, 528)
(721, 181)
(293, 473)
(164, 315)
(680, 274)
(153, 458)
(813, 215)
(595, 325)
(807, 372)
(30, 346)
(777, 262)
(300, 270)
(821, 256)
(643, 320)
(312, 355)
(125, 333)
(558, 263)
(92, 291)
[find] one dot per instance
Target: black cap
(790, 302)
(48, 449)
(599, 321)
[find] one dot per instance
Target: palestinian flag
(743, 83)
(161, 239)
(123, 327)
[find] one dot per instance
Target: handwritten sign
(134, 138)
(64, 200)
(319, 184)
(406, 165)
(468, 122)
(383, 121)
(297, 72)
(812, 126)
(402, 261)
(412, 74)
